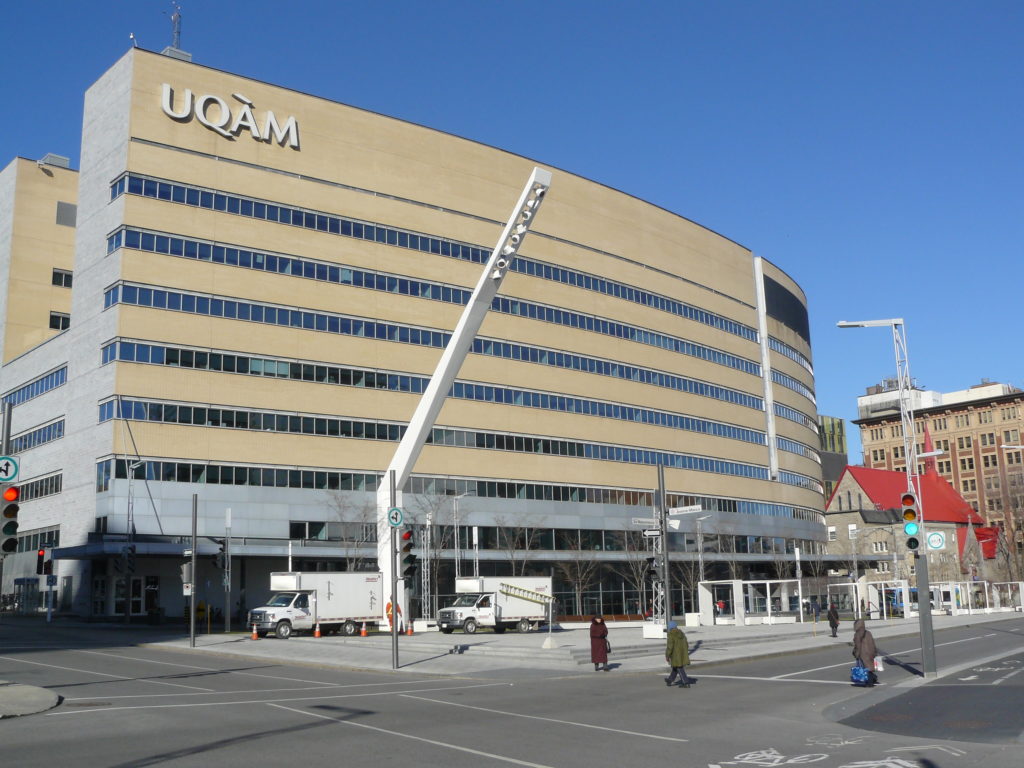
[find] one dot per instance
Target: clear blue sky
(873, 150)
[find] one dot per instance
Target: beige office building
(263, 284)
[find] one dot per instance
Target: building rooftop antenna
(176, 25)
(174, 49)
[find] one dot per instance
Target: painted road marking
(545, 719)
(416, 738)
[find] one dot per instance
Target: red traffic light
(11, 493)
(406, 535)
(41, 553)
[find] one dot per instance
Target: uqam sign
(216, 114)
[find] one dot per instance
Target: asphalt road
(140, 706)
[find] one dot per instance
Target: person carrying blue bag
(864, 651)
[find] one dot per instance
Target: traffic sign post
(8, 469)
(395, 517)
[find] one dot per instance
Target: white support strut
(459, 345)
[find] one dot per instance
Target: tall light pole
(899, 342)
(673, 522)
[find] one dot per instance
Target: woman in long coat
(677, 654)
(599, 643)
(864, 649)
(833, 618)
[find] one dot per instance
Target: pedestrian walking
(677, 654)
(599, 643)
(864, 649)
(833, 618)
(816, 607)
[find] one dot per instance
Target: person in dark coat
(864, 649)
(833, 618)
(599, 643)
(677, 654)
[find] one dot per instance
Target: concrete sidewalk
(563, 651)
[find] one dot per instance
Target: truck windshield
(281, 600)
(465, 601)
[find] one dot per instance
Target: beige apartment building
(978, 429)
(264, 281)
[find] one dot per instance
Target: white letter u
(167, 102)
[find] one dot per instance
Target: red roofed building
(865, 523)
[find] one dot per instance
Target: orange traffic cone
(255, 634)
(408, 630)
(362, 632)
(316, 632)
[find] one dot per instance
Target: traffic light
(9, 530)
(129, 558)
(911, 520)
(48, 567)
(220, 560)
(410, 562)
(651, 571)
(40, 559)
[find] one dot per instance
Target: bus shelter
(755, 601)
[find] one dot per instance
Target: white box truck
(497, 602)
(339, 602)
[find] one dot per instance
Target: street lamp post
(455, 525)
(695, 509)
(899, 341)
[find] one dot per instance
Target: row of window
(128, 351)
(38, 386)
(142, 296)
(176, 246)
(138, 410)
(32, 541)
(790, 383)
(313, 479)
(489, 537)
(784, 349)
(45, 434)
(40, 487)
(251, 207)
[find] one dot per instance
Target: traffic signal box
(9, 518)
(911, 520)
(651, 571)
(410, 563)
(40, 561)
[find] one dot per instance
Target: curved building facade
(263, 283)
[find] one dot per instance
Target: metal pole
(192, 597)
(8, 410)
(458, 545)
(227, 571)
(394, 577)
(662, 514)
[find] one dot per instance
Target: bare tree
(687, 574)
(633, 569)
(358, 518)
(578, 566)
(437, 511)
(517, 538)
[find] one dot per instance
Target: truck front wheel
(469, 627)
(523, 625)
(283, 630)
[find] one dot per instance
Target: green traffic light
(911, 529)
